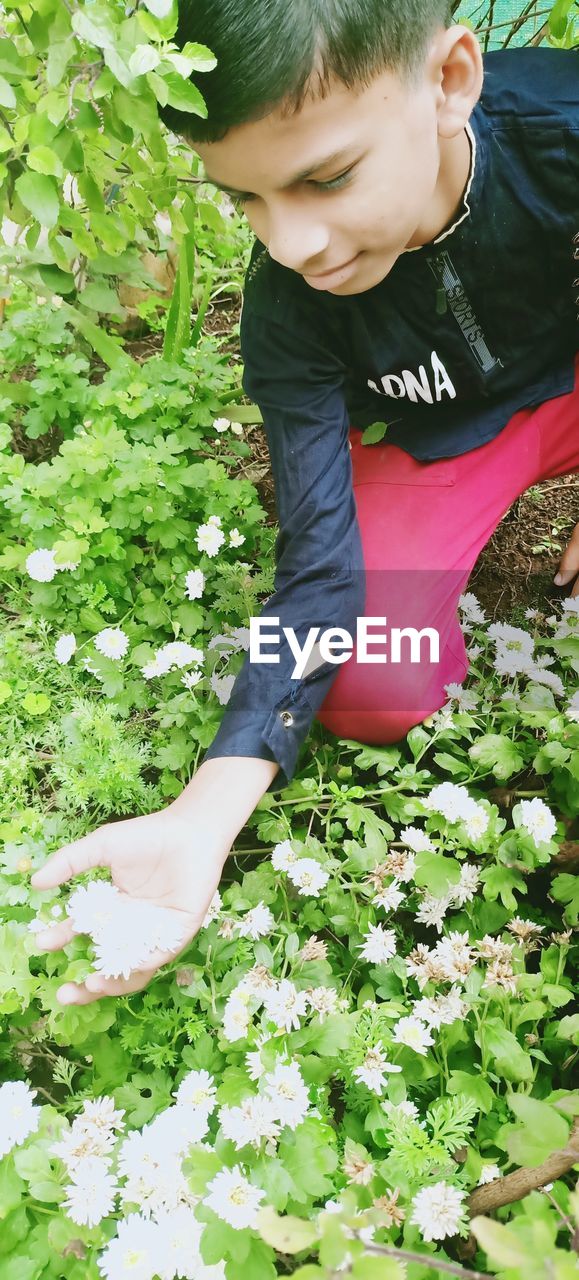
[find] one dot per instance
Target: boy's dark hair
(270, 52)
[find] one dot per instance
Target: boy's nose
(296, 243)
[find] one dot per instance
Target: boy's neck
(455, 167)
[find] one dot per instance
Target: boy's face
(377, 162)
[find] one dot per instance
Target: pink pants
(423, 525)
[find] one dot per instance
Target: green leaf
(568, 1028)
(545, 1125)
(144, 58)
(182, 94)
(178, 324)
(39, 195)
(106, 347)
(100, 297)
(495, 752)
(7, 94)
(378, 1269)
(287, 1234)
(435, 873)
(56, 280)
(374, 433)
(565, 888)
(501, 1243)
(159, 8)
(94, 25)
(511, 1061)
(473, 1087)
(44, 160)
(12, 1187)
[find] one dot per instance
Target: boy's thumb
(71, 860)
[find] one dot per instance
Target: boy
(416, 262)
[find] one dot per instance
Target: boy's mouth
(325, 279)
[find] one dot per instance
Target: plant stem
(405, 1255)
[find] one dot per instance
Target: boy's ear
(457, 68)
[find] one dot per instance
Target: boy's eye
(333, 184)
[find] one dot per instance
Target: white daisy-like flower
(512, 637)
(537, 819)
(416, 840)
(474, 651)
(470, 608)
(197, 1090)
(236, 1016)
(433, 910)
(65, 647)
(283, 856)
(308, 876)
(379, 945)
(236, 539)
(465, 890)
(100, 1114)
(547, 678)
(323, 1000)
(191, 678)
(489, 1173)
(222, 687)
(438, 1211)
(234, 1198)
(112, 642)
(255, 1119)
(213, 909)
(464, 700)
(209, 538)
(440, 1011)
(216, 520)
(389, 897)
(256, 923)
(510, 663)
(476, 820)
(413, 1033)
(221, 424)
(285, 1005)
(452, 801)
(40, 565)
(195, 584)
(406, 1108)
(19, 1117)
(135, 1252)
(179, 1235)
(372, 1071)
(288, 1093)
(91, 1196)
(179, 653)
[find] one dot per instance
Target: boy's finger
(71, 860)
(57, 935)
(96, 988)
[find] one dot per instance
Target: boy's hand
(165, 858)
(569, 566)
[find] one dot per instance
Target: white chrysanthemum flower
(510, 663)
(234, 1198)
(464, 700)
(195, 584)
(19, 1117)
(465, 890)
(288, 1092)
(91, 1196)
(178, 653)
(438, 1211)
(433, 910)
(416, 840)
(213, 909)
(440, 1011)
(510, 637)
(197, 1090)
(112, 642)
(255, 1067)
(323, 1000)
(253, 1121)
(65, 647)
(236, 1016)
(372, 1071)
(93, 906)
(236, 539)
(379, 945)
(285, 1005)
(256, 923)
(221, 424)
(125, 931)
(489, 1173)
(474, 651)
(389, 897)
(100, 1114)
(283, 856)
(452, 801)
(40, 565)
(209, 538)
(571, 606)
(537, 819)
(222, 687)
(191, 678)
(476, 820)
(413, 1033)
(308, 876)
(470, 608)
(179, 1235)
(547, 678)
(406, 1108)
(135, 1252)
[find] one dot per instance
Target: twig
(520, 22)
(437, 1264)
(516, 1185)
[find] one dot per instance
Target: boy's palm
(160, 858)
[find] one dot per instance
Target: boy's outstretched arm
(171, 858)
